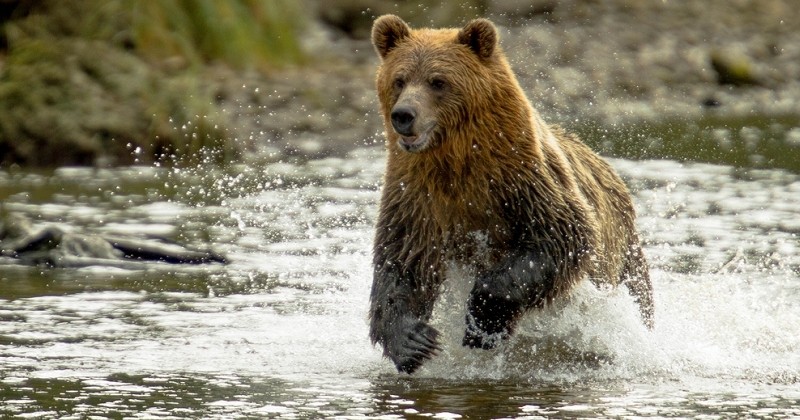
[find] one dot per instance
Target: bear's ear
(480, 35)
(387, 32)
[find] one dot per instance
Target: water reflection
(124, 395)
(474, 399)
(225, 396)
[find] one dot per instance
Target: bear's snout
(403, 120)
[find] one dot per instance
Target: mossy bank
(121, 81)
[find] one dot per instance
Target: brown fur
(489, 165)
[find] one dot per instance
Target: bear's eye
(399, 83)
(438, 84)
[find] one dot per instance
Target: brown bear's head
(434, 82)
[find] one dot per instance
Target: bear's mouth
(417, 143)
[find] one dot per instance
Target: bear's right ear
(387, 32)
(480, 36)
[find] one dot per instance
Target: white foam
(712, 326)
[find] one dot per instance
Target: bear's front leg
(397, 322)
(500, 296)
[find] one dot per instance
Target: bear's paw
(490, 318)
(410, 343)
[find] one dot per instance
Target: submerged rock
(734, 69)
(57, 246)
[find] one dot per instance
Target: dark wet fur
(499, 296)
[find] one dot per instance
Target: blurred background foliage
(241, 33)
(122, 81)
(116, 82)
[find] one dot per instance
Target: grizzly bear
(475, 176)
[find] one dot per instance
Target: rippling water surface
(281, 331)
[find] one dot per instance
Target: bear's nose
(403, 120)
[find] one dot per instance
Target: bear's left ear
(387, 32)
(480, 35)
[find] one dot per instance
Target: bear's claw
(412, 345)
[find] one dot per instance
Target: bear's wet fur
(475, 175)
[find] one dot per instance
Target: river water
(281, 331)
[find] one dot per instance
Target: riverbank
(671, 70)
(595, 67)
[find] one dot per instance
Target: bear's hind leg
(636, 277)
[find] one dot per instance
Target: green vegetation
(241, 33)
(124, 81)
